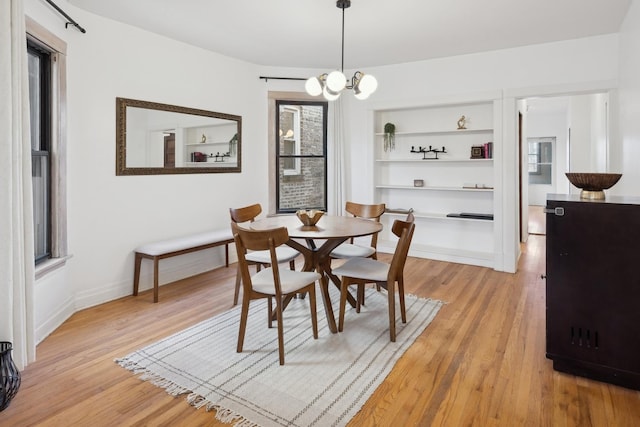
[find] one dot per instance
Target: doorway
(559, 134)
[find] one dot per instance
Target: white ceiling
(306, 33)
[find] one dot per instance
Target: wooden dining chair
(350, 249)
(360, 271)
(259, 258)
(270, 283)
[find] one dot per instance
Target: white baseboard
(481, 259)
(65, 311)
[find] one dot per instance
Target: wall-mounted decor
(154, 139)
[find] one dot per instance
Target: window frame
(41, 149)
(40, 36)
(299, 157)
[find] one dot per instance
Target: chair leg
(237, 291)
(360, 297)
(270, 311)
(280, 329)
(344, 288)
(314, 312)
(392, 310)
(403, 311)
(243, 322)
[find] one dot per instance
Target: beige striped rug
(324, 382)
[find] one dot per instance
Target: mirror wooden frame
(121, 139)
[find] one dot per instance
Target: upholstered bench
(178, 246)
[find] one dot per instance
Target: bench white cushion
(186, 242)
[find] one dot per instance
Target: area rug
(323, 382)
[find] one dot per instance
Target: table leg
(326, 299)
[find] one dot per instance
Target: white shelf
(442, 160)
(411, 187)
(205, 144)
(440, 132)
(440, 216)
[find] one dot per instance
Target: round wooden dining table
(320, 240)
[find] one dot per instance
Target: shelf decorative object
(462, 122)
(9, 375)
(219, 157)
(204, 138)
(389, 137)
(425, 151)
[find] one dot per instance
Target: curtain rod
(267, 78)
(70, 20)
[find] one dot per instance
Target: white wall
(110, 215)
(626, 155)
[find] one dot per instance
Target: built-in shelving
(448, 181)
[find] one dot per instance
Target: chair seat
(349, 250)
(364, 268)
(290, 281)
(283, 253)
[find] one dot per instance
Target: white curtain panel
(336, 152)
(17, 275)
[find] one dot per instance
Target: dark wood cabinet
(593, 288)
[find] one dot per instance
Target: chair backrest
(404, 230)
(247, 213)
(258, 240)
(365, 211)
(372, 212)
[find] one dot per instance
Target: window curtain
(336, 169)
(17, 272)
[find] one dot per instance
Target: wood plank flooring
(481, 362)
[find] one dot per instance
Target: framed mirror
(154, 138)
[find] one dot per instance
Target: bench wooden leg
(155, 279)
(226, 255)
(136, 273)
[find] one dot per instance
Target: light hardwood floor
(481, 362)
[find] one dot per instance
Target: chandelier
(332, 84)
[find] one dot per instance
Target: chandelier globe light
(330, 85)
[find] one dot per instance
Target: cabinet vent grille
(584, 337)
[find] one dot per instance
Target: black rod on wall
(70, 20)
(267, 78)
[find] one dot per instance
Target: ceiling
(307, 33)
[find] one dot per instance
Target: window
(289, 134)
(540, 160)
(40, 108)
(301, 155)
(47, 104)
